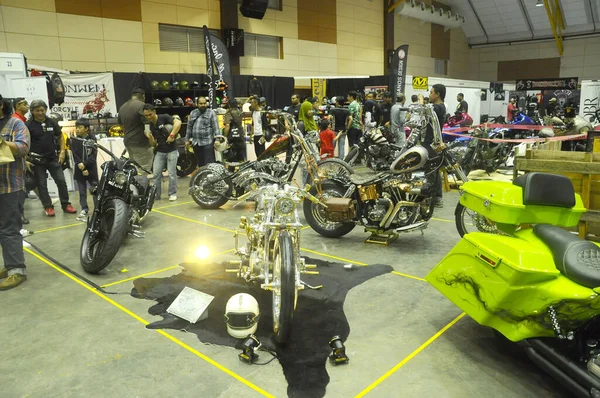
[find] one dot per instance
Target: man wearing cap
(44, 132)
(16, 136)
(137, 141)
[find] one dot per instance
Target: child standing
(327, 137)
(86, 171)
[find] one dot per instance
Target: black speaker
(254, 8)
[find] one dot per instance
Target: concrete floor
(62, 339)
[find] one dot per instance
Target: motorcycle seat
(575, 258)
(545, 189)
(363, 179)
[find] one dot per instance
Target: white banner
(590, 96)
(87, 93)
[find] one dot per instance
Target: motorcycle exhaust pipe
(556, 373)
(551, 355)
(388, 211)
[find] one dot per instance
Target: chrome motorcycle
(374, 150)
(271, 255)
(387, 203)
(215, 184)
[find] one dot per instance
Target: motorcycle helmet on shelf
(195, 84)
(164, 85)
(154, 85)
(116, 131)
(179, 101)
(189, 102)
(241, 315)
(167, 101)
(220, 143)
(157, 102)
(184, 85)
(175, 86)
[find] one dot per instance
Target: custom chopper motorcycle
(123, 199)
(536, 284)
(271, 255)
(215, 184)
(387, 203)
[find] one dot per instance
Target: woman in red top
(327, 137)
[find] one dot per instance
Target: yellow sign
(319, 88)
(420, 82)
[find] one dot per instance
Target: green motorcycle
(533, 282)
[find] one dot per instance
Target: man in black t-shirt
(45, 132)
(463, 106)
(294, 109)
(340, 123)
(386, 109)
(437, 94)
(164, 129)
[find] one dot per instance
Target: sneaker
(3, 273)
(13, 280)
(25, 233)
(83, 215)
(69, 209)
(172, 198)
(50, 212)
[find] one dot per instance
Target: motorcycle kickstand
(311, 287)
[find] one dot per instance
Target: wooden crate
(582, 168)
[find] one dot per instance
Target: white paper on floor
(191, 305)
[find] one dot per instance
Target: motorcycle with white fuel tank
(271, 255)
(387, 203)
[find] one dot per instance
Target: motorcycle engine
(377, 212)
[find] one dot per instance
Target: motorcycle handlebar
(111, 154)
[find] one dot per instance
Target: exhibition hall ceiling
(513, 20)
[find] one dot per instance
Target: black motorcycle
(123, 200)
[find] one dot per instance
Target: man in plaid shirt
(12, 186)
(202, 128)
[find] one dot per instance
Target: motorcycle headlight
(285, 206)
(120, 178)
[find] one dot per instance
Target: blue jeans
(82, 189)
(168, 160)
(341, 142)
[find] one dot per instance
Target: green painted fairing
(505, 205)
(514, 295)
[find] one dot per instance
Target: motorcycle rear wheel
(285, 291)
(205, 197)
(98, 249)
(465, 217)
(186, 164)
(315, 213)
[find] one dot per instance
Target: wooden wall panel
(545, 68)
(90, 8)
(317, 21)
(440, 42)
(130, 10)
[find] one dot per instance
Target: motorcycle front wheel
(352, 157)
(316, 215)
(209, 195)
(285, 292)
(468, 221)
(98, 248)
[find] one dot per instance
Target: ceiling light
(540, 3)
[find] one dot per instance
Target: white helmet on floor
(241, 315)
(220, 143)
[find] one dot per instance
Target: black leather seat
(546, 190)
(575, 258)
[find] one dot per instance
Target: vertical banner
(209, 67)
(589, 100)
(221, 59)
(319, 88)
(398, 76)
(87, 93)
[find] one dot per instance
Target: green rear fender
(508, 283)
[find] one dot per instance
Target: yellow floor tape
(144, 322)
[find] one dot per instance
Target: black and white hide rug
(319, 315)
